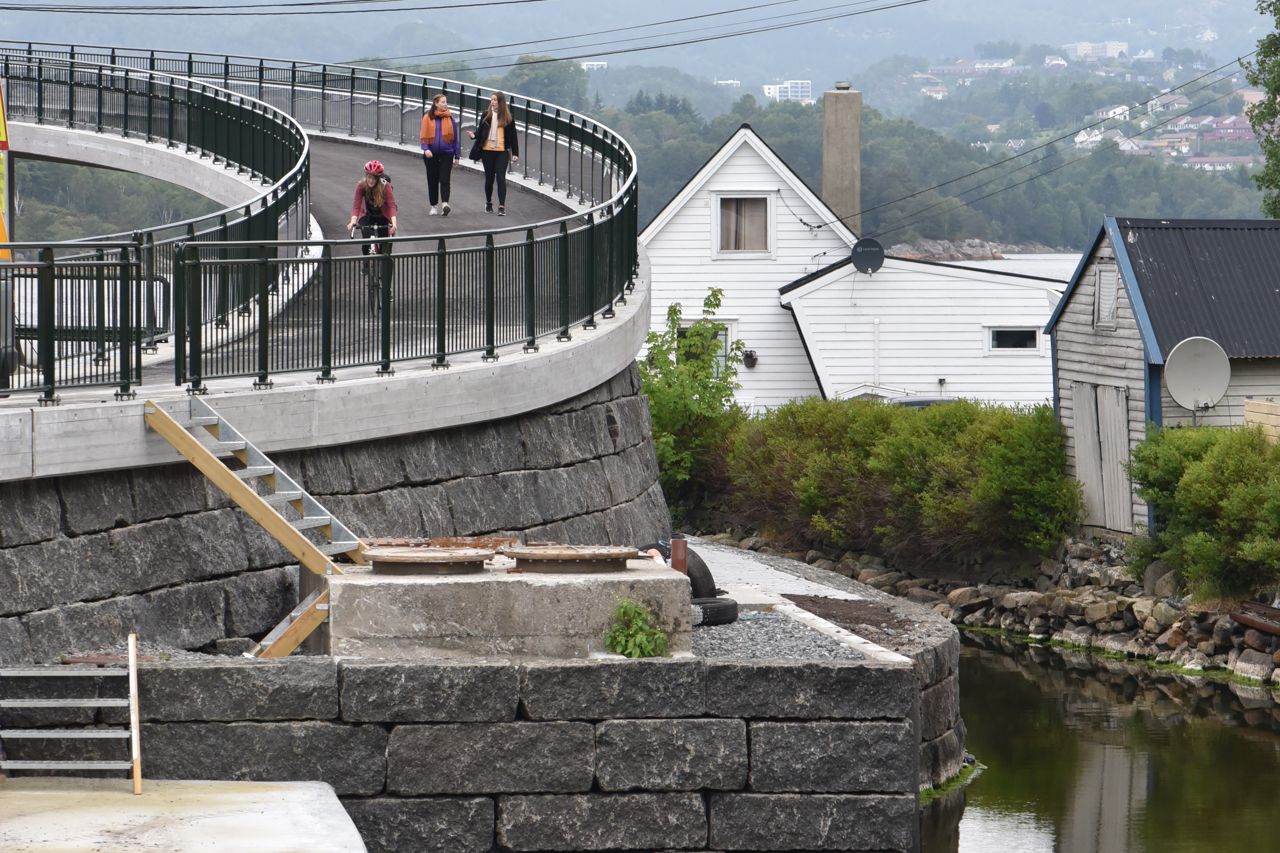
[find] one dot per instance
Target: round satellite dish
(868, 255)
(1197, 373)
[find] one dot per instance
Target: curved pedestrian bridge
(271, 286)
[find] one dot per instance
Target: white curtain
(744, 225)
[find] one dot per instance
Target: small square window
(1002, 339)
(744, 224)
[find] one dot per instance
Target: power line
(246, 10)
(917, 216)
(703, 39)
(590, 34)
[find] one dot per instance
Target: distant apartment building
(594, 66)
(729, 84)
(790, 90)
(1095, 50)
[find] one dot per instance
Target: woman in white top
(496, 144)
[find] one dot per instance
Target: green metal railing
(216, 283)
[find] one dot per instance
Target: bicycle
(371, 267)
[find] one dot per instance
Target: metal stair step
(331, 548)
(61, 671)
(60, 734)
(277, 498)
(66, 765)
(64, 703)
(252, 471)
(224, 447)
(311, 522)
(202, 421)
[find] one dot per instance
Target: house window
(1015, 340)
(744, 224)
(1105, 296)
(726, 333)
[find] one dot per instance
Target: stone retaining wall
(684, 754)
(84, 559)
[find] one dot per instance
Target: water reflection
(1088, 755)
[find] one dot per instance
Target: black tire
(716, 611)
(703, 585)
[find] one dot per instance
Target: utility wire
(247, 10)
(918, 216)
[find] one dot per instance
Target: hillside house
(924, 328)
(1142, 287)
(745, 222)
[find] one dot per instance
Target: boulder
(1171, 639)
(1254, 664)
(1099, 612)
(922, 595)
(1166, 586)
(812, 557)
(1165, 614)
(1257, 640)
(1154, 571)
(1143, 608)
(751, 543)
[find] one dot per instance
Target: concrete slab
(496, 613)
(41, 815)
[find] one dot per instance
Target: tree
(1264, 72)
(557, 82)
(689, 376)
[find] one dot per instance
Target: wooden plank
(135, 731)
(301, 627)
(244, 496)
(1088, 452)
(1113, 433)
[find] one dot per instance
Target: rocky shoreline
(1088, 598)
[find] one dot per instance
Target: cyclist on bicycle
(374, 208)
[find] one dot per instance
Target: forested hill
(1056, 197)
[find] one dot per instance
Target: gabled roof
(744, 135)
(817, 278)
(1215, 278)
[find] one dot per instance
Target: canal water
(1090, 755)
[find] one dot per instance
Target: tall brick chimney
(842, 154)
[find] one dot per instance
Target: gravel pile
(764, 636)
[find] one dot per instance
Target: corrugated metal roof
(1215, 278)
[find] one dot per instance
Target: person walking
(439, 137)
(496, 145)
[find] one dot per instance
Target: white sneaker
(434, 212)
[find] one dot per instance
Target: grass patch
(956, 782)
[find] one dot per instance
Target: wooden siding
(1256, 378)
(1265, 415)
(930, 324)
(1113, 358)
(684, 267)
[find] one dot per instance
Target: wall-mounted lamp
(942, 383)
(749, 358)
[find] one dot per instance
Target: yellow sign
(5, 254)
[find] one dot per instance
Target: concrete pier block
(496, 613)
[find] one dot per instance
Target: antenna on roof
(1197, 373)
(868, 255)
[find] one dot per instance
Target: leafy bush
(689, 375)
(633, 633)
(1216, 497)
(955, 482)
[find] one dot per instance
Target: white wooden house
(1143, 287)
(745, 222)
(934, 329)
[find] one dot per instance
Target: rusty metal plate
(425, 560)
(570, 559)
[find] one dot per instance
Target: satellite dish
(868, 255)
(1197, 373)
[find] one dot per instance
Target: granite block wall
(86, 559)
(673, 754)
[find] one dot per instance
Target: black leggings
(495, 166)
(373, 226)
(439, 170)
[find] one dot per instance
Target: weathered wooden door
(1102, 452)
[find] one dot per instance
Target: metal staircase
(274, 500)
(129, 733)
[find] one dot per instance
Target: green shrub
(951, 482)
(689, 375)
(633, 633)
(1215, 494)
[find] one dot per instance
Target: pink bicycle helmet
(373, 167)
